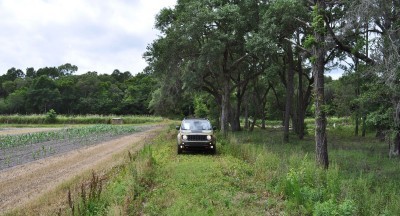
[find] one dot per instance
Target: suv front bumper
(197, 145)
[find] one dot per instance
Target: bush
(200, 107)
(51, 116)
(330, 208)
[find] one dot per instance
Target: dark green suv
(196, 133)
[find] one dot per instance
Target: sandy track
(24, 183)
(15, 131)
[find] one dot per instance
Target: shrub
(331, 208)
(51, 116)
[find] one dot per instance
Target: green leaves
(51, 116)
(318, 23)
(309, 41)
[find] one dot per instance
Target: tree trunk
(253, 124)
(397, 142)
(246, 116)
(300, 107)
(289, 91)
(235, 114)
(357, 123)
(364, 125)
(235, 119)
(294, 116)
(263, 117)
(394, 149)
(321, 144)
(225, 105)
(358, 92)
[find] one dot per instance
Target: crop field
(25, 138)
(36, 156)
(26, 147)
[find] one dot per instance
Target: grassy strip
(199, 184)
(8, 141)
(78, 119)
(123, 194)
(252, 174)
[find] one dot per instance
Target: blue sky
(94, 35)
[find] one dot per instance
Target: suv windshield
(196, 124)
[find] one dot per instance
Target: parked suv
(196, 133)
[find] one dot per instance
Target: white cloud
(94, 35)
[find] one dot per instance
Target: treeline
(260, 59)
(58, 88)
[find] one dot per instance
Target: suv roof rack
(185, 118)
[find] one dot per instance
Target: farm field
(19, 149)
(34, 161)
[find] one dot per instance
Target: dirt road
(24, 183)
(15, 131)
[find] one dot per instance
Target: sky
(94, 35)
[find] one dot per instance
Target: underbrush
(361, 179)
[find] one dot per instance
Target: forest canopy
(58, 88)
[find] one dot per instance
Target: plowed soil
(23, 183)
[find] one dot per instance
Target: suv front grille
(197, 137)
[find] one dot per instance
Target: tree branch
(298, 46)
(236, 63)
(303, 22)
(348, 49)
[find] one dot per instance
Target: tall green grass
(124, 194)
(77, 119)
(361, 180)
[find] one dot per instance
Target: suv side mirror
(178, 127)
(214, 128)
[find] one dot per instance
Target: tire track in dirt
(22, 184)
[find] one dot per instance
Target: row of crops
(74, 133)
(77, 119)
(24, 148)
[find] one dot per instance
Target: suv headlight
(184, 137)
(209, 137)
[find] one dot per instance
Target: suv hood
(202, 132)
